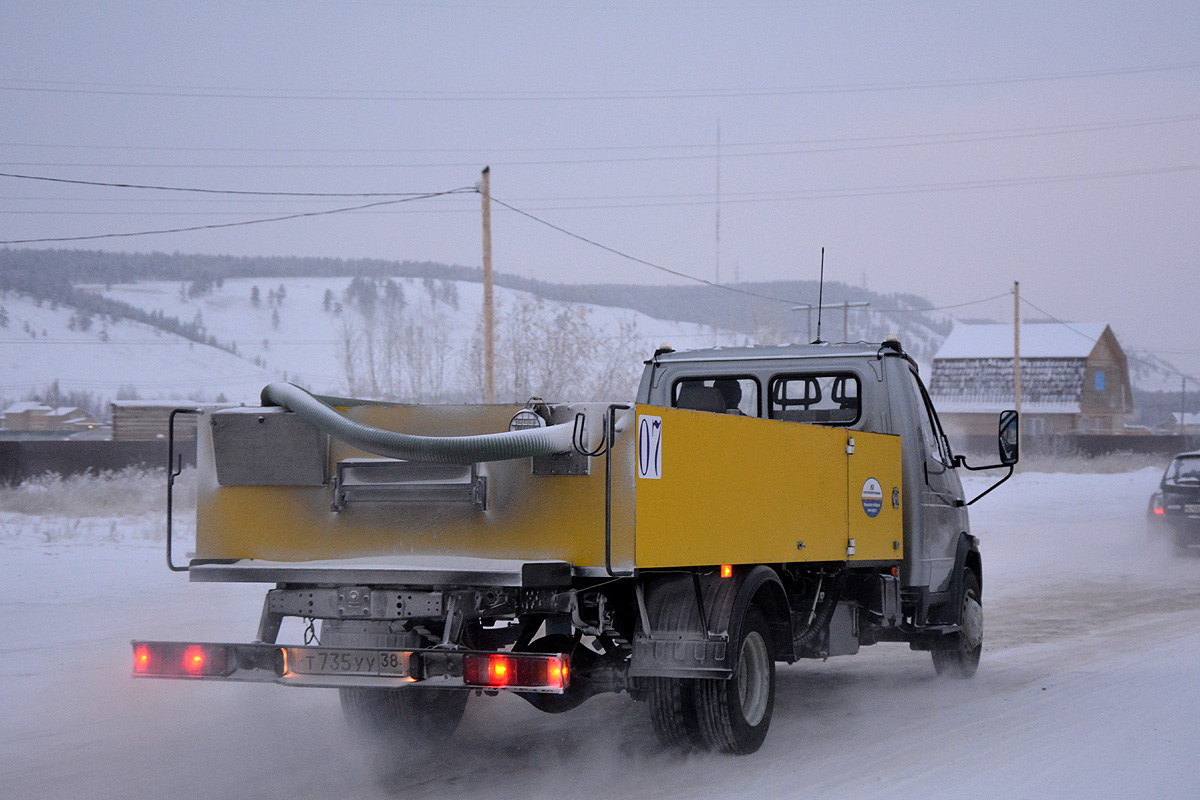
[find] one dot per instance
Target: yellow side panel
(730, 490)
(739, 490)
(529, 517)
(875, 499)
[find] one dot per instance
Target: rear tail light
(516, 671)
(181, 660)
(1156, 504)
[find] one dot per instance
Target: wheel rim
(972, 633)
(753, 678)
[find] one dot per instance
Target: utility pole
(489, 318)
(808, 307)
(846, 306)
(1017, 353)
(1182, 403)
(718, 200)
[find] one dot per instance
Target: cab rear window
(724, 395)
(819, 399)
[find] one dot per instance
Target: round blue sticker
(872, 497)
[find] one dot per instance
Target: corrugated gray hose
(435, 449)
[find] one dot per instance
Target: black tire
(672, 704)
(393, 714)
(578, 689)
(389, 715)
(734, 714)
(957, 655)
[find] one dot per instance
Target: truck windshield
(822, 399)
(1185, 470)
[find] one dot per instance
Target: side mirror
(1009, 438)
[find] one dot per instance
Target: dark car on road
(1176, 506)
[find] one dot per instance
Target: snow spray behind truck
(755, 505)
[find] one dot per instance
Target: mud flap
(690, 631)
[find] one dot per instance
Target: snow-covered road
(1089, 687)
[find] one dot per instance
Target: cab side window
(936, 446)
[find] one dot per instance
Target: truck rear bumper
(408, 570)
(339, 666)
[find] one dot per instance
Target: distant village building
(32, 416)
(1187, 424)
(142, 420)
(1073, 379)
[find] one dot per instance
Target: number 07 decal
(649, 443)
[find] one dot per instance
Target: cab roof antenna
(820, 297)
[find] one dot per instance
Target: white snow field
(42, 343)
(298, 339)
(1088, 688)
(303, 338)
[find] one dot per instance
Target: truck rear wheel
(579, 688)
(387, 714)
(431, 714)
(673, 712)
(734, 714)
(957, 656)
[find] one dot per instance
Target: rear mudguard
(691, 639)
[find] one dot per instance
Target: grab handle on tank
(173, 470)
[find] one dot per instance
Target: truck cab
(863, 387)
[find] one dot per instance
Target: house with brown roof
(1074, 379)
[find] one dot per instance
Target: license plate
(326, 661)
(1192, 508)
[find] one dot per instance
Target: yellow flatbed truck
(754, 505)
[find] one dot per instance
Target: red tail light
(141, 658)
(180, 660)
(193, 659)
(498, 671)
(516, 671)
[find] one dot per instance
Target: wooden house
(1074, 379)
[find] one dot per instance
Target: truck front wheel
(957, 655)
(734, 714)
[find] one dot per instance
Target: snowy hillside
(408, 338)
(41, 343)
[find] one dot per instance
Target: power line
(936, 308)
(821, 145)
(679, 200)
(635, 259)
(357, 95)
(80, 182)
(1167, 368)
(235, 224)
(694, 278)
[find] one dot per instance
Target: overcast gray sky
(937, 147)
